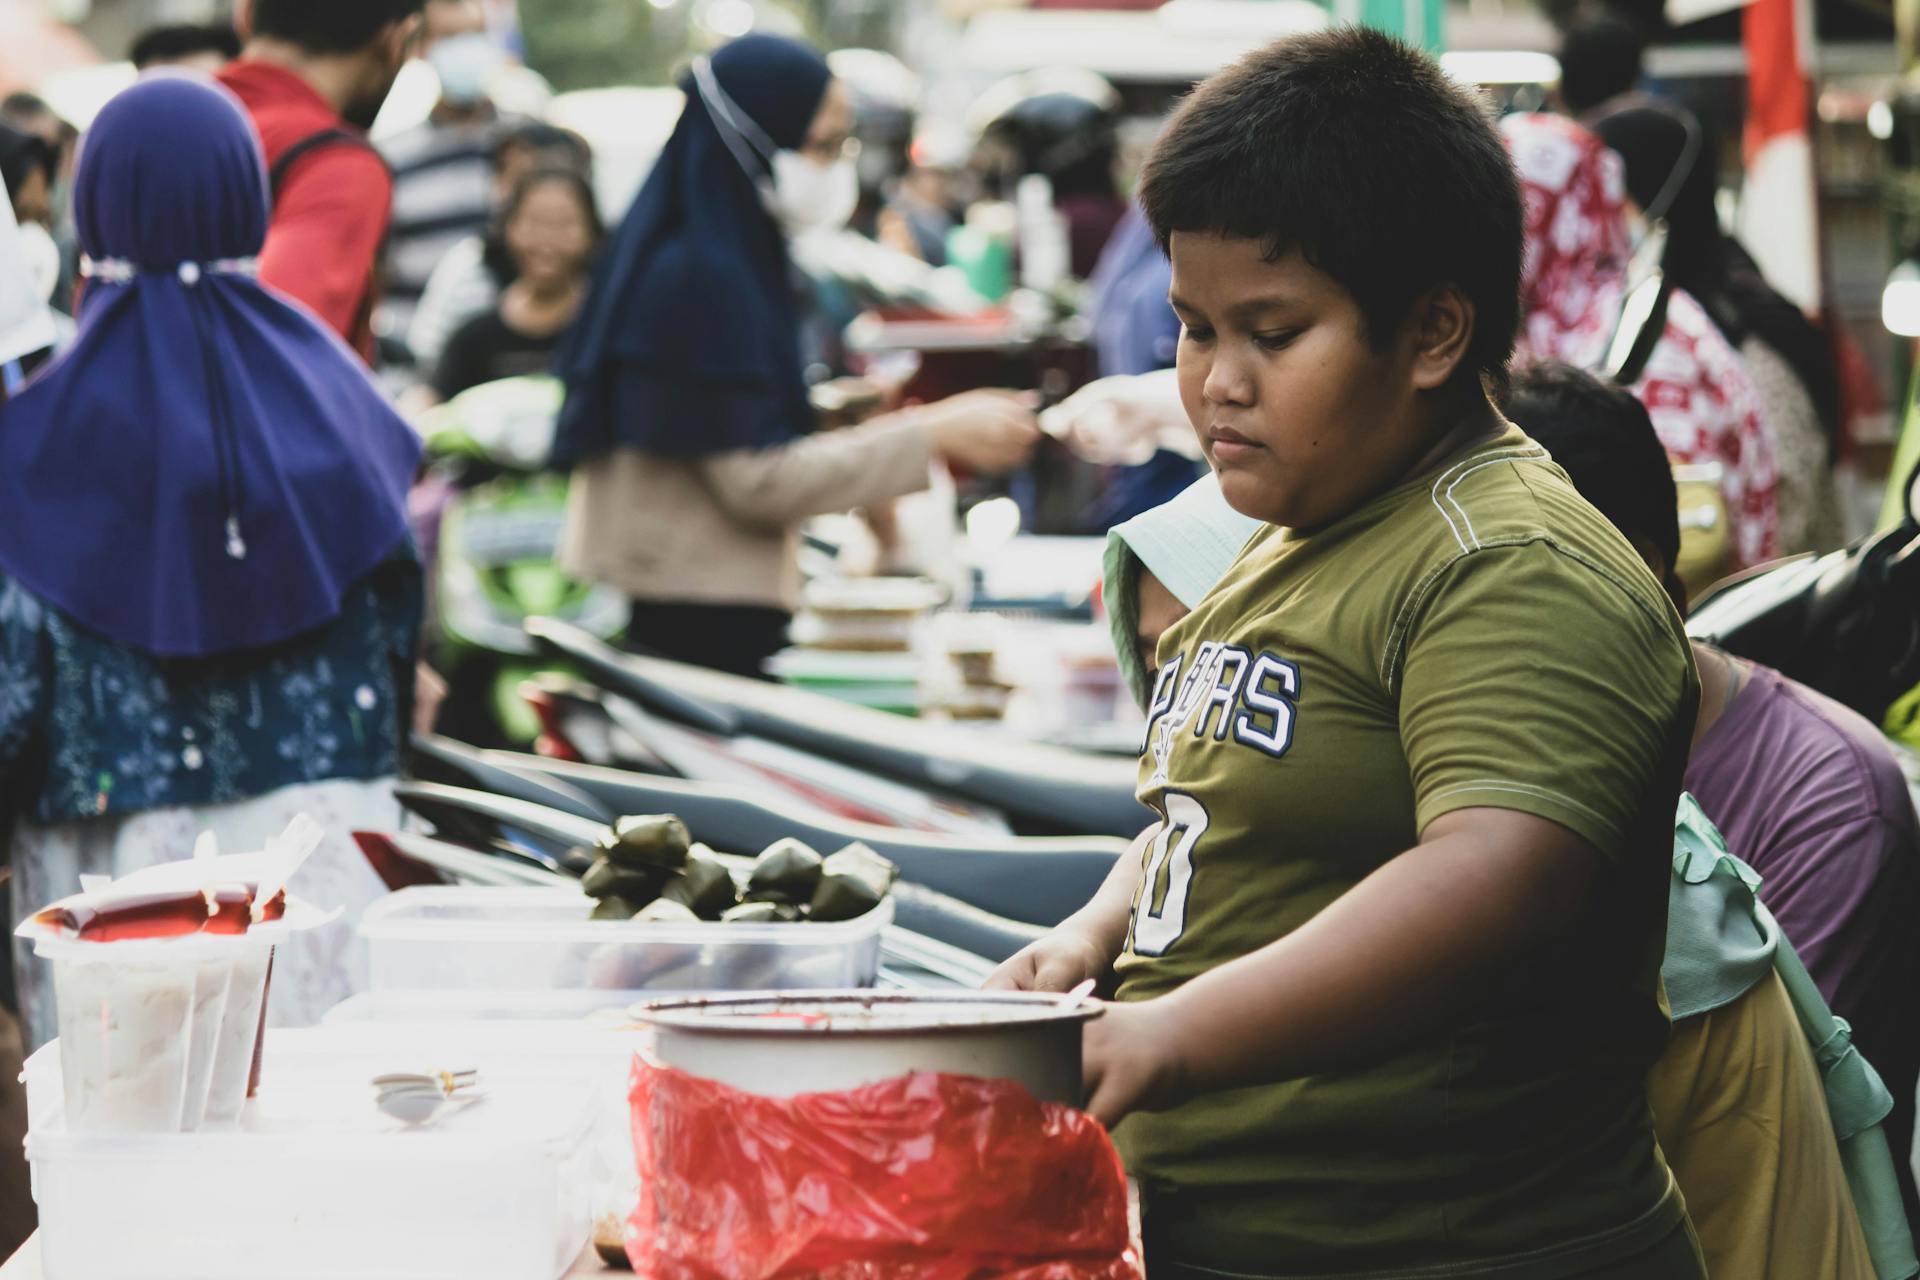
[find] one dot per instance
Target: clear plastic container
(415, 1008)
(451, 939)
(240, 1030)
(212, 982)
(126, 1017)
(160, 1033)
(318, 1184)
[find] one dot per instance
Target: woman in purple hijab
(208, 598)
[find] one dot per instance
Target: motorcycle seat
(1033, 880)
(1038, 787)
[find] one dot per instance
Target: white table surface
(25, 1265)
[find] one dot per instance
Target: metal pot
(812, 1042)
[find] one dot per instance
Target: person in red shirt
(313, 77)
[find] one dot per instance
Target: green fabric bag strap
(1858, 1101)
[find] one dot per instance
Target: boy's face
(1298, 413)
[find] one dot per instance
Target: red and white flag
(1779, 217)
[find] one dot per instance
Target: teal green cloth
(1720, 939)
(1188, 544)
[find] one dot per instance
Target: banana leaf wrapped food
(647, 842)
(614, 908)
(752, 913)
(648, 868)
(666, 911)
(852, 882)
(608, 879)
(704, 885)
(787, 871)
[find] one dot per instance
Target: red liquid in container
(168, 915)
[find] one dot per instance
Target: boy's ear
(1442, 331)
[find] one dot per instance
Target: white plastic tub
(455, 939)
(784, 1045)
(318, 1185)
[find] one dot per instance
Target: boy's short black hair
(1600, 59)
(329, 26)
(1602, 437)
(1358, 151)
(184, 40)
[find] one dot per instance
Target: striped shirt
(442, 194)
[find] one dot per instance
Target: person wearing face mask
(313, 77)
(442, 173)
(687, 423)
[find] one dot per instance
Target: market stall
(528, 1090)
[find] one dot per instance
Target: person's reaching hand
(985, 431)
(1122, 421)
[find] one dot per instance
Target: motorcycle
(545, 813)
(1846, 623)
(1039, 790)
(495, 514)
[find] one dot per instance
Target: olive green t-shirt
(1478, 637)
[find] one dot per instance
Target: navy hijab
(689, 340)
(207, 469)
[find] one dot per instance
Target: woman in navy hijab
(687, 421)
(208, 597)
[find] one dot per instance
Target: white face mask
(811, 197)
(465, 65)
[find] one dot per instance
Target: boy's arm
(1086, 943)
(1395, 958)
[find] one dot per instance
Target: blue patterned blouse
(89, 727)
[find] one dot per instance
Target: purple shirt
(1808, 794)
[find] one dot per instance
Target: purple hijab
(208, 468)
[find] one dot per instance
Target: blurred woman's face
(832, 125)
(550, 236)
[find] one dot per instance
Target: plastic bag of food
(926, 1177)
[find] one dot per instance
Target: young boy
(1388, 967)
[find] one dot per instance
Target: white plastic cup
(212, 977)
(233, 1047)
(126, 1031)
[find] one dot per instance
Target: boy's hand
(1058, 962)
(1133, 1061)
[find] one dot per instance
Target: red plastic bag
(928, 1177)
